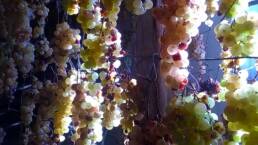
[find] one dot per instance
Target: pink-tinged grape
(96, 105)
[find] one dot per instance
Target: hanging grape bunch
(190, 122)
(179, 26)
(239, 38)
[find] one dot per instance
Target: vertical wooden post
(147, 44)
(143, 45)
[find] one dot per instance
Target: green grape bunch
(232, 8)
(240, 36)
(243, 103)
(190, 123)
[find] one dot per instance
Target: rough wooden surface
(144, 45)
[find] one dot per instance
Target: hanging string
(228, 58)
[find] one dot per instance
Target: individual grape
(72, 6)
(102, 75)
(206, 99)
(148, 4)
(219, 127)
